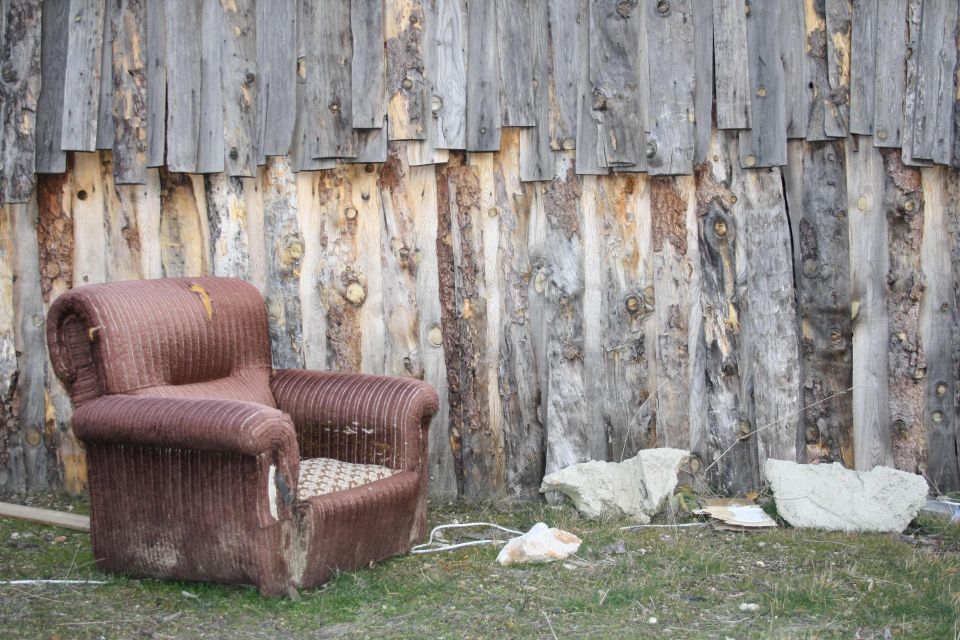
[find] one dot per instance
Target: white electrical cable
(15, 582)
(430, 545)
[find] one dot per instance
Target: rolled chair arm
(358, 418)
(226, 426)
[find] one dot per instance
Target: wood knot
(356, 294)
(720, 229)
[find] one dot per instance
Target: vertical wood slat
(798, 87)
(703, 79)
(910, 99)
(937, 58)
(564, 17)
(869, 263)
(428, 151)
(156, 94)
(369, 67)
(615, 50)
(450, 85)
(183, 76)
(816, 193)
(406, 83)
(765, 144)
(210, 97)
(240, 86)
(53, 60)
(483, 78)
(863, 57)
(276, 76)
(105, 103)
(589, 159)
(815, 48)
(81, 91)
(839, 26)
(670, 49)
(536, 157)
(328, 82)
(731, 64)
(129, 77)
(890, 73)
(11, 476)
(20, 41)
(516, 36)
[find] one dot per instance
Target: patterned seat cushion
(326, 475)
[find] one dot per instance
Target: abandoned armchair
(204, 463)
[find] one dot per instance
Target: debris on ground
(540, 544)
(736, 514)
(831, 497)
(636, 487)
(944, 508)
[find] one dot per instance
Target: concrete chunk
(822, 496)
(634, 487)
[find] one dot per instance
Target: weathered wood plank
(369, 67)
(815, 182)
(184, 77)
(589, 160)
(863, 57)
(53, 61)
(765, 144)
(731, 64)
(903, 208)
(284, 251)
(19, 91)
(182, 246)
(428, 151)
(122, 204)
(536, 156)
(676, 285)
(482, 78)
(670, 50)
(728, 450)
(156, 53)
(703, 79)
(406, 82)
(890, 79)
(449, 103)
(129, 76)
(105, 103)
(89, 231)
(37, 445)
(516, 36)
(81, 90)
(11, 457)
(276, 77)
(616, 46)
(772, 374)
(45, 516)
(839, 27)
(148, 221)
(935, 94)
(328, 81)
(239, 86)
(938, 326)
(798, 86)
(565, 17)
(869, 263)
(910, 102)
(210, 145)
(370, 145)
(227, 217)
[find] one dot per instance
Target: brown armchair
(206, 464)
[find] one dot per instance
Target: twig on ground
(550, 624)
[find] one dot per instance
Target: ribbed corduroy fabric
(193, 444)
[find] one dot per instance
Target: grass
(692, 581)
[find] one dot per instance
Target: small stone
(540, 544)
(60, 539)
(822, 496)
(652, 620)
(749, 607)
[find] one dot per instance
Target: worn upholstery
(326, 475)
(194, 443)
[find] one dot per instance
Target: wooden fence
(594, 226)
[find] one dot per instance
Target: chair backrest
(183, 337)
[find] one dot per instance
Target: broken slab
(540, 544)
(636, 487)
(832, 497)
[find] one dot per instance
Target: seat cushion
(326, 475)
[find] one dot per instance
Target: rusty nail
(335, 107)
(483, 130)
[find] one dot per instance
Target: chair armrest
(225, 426)
(358, 418)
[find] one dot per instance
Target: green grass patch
(691, 581)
